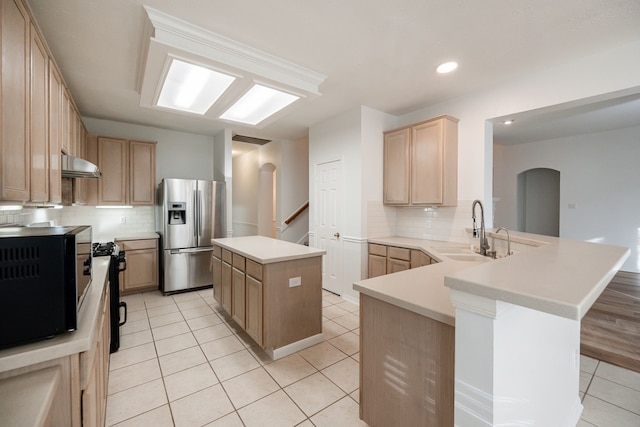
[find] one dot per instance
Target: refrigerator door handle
(190, 250)
(196, 214)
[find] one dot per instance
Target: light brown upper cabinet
(421, 164)
(55, 133)
(142, 173)
(128, 172)
(15, 159)
(38, 119)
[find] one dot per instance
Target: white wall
(245, 194)
(574, 82)
(599, 174)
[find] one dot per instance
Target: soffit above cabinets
(168, 38)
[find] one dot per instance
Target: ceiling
(376, 53)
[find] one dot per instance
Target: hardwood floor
(611, 329)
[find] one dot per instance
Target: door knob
(336, 235)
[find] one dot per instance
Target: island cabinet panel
(292, 313)
(253, 324)
(238, 296)
(226, 285)
(406, 367)
(216, 269)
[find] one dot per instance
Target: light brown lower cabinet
(238, 296)
(80, 395)
(94, 372)
(142, 265)
(406, 367)
(385, 259)
(253, 324)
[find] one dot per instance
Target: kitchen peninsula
(512, 325)
(272, 289)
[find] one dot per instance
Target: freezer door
(178, 213)
(204, 209)
(187, 269)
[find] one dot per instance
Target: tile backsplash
(441, 223)
(106, 223)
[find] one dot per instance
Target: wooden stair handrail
(296, 213)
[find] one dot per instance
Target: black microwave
(45, 273)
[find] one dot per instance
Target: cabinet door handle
(336, 235)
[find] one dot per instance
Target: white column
(514, 366)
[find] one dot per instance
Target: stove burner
(103, 249)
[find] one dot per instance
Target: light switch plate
(295, 281)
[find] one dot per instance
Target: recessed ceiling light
(508, 122)
(447, 67)
(192, 88)
(257, 104)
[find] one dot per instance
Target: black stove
(117, 264)
(104, 249)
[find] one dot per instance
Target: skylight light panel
(257, 104)
(192, 88)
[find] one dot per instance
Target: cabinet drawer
(399, 253)
(238, 261)
(226, 256)
(217, 251)
(254, 270)
(132, 245)
(375, 249)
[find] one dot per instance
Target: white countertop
(66, 343)
(265, 250)
(563, 278)
(558, 276)
(144, 235)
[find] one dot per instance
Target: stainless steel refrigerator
(191, 214)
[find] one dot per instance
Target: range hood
(75, 167)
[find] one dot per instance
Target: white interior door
(329, 221)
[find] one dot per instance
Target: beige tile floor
(183, 362)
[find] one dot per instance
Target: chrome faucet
(508, 239)
(484, 243)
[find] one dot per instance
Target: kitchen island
(516, 323)
(272, 289)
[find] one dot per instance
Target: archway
(539, 201)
